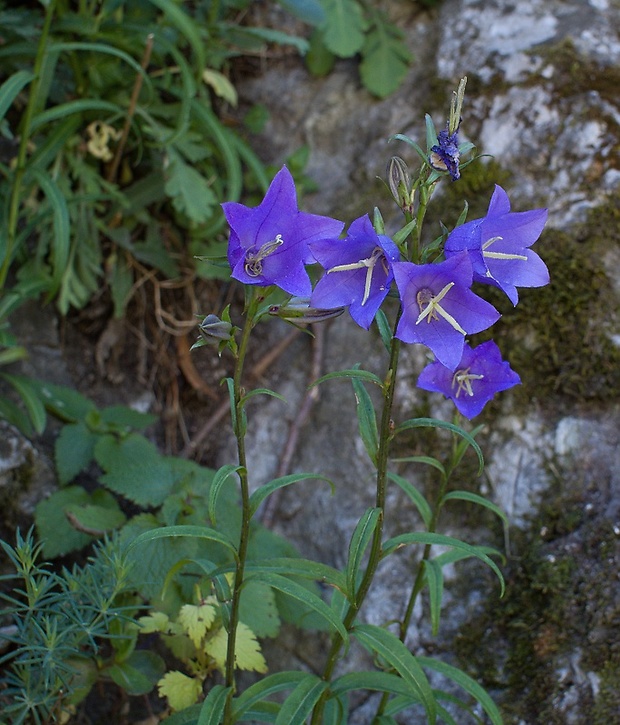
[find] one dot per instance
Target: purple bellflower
(498, 246)
(268, 244)
(445, 155)
(479, 375)
(439, 309)
(359, 271)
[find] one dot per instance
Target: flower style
(439, 309)
(359, 271)
(479, 375)
(268, 244)
(445, 155)
(498, 246)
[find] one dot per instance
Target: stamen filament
(463, 378)
(433, 308)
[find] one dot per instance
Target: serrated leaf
(139, 673)
(134, 469)
(124, 417)
(180, 690)
(95, 520)
(343, 32)
(73, 451)
(258, 610)
(57, 535)
(189, 190)
(385, 61)
(247, 650)
(155, 622)
(196, 620)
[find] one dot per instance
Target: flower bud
(298, 311)
(214, 330)
(399, 182)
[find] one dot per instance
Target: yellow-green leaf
(156, 622)
(221, 85)
(247, 651)
(180, 690)
(196, 620)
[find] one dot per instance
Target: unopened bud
(214, 330)
(298, 311)
(399, 181)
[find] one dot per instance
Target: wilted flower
(498, 246)
(359, 271)
(439, 309)
(479, 375)
(445, 155)
(298, 311)
(268, 244)
(214, 330)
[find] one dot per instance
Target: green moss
(607, 702)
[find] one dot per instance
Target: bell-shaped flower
(268, 244)
(479, 375)
(358, 271)
(498, 246)
(439, 309)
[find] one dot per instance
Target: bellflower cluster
(272, 243)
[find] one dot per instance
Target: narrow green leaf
(268, 488)
(427, 460)
(385, 331)
(403, 233)
(264, 688)
(300, 703)
(11, 88)
(195, 532)
(32, 402)
(433, 539)
(186, 25)
(373, 680)
(366, 419)
(401, 137)
(62, 110)
(62, 225)
(304, 568)
(434, 580)
(13, 354)
(416, 497)
(220, 478)
(262, 391)
(467, 683)
(431, 133)
(214, 705)
(395, 653)
(435, 423)
(360, 539)
(479, 500)
(354, 374)
(296, 591)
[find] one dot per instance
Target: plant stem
(239, 432)
(24, 137)
(385, 437)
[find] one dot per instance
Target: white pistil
(499, 255)
(369, 263)
(462, 379)
(254, 262)
(430, 308)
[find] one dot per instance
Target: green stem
(385, 437)
(239, 432)
(24, 133)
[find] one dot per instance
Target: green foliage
(58, 624)
(356, 27)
